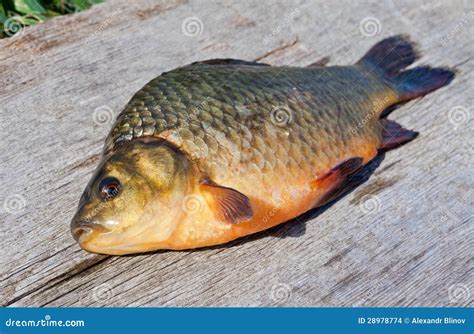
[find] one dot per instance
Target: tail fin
(390, 56)
(420, 81)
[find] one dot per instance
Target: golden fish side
(256, 117)
(216, 150)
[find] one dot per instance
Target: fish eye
(109, 187)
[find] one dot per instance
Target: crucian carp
(224, 148)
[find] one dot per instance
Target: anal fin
(394, 135)
(334, 180)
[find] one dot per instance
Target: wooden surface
(402, 238)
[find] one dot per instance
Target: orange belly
(291, 201)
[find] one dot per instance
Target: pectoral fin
(228, 204)
(333, 181)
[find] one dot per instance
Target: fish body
(220, 149)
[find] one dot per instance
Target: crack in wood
(77, 270)
(278, 49)
(338, 257)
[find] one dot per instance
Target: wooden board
(402, 238)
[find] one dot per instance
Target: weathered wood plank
(63, 80)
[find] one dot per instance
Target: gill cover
(132, 200)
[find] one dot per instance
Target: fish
(224, 148)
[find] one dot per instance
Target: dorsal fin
(228, 61)
(390, 55)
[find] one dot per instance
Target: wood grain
(402, 238)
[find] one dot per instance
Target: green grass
(16, 14)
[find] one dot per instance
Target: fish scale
(223, 126)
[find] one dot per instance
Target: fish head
(132, 203)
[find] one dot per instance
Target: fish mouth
(83, 231)
(86, 233)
